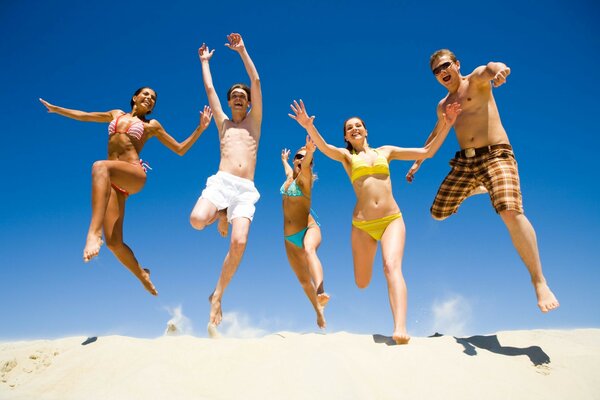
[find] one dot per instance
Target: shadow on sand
(491, 343)
(89, 340)
(384, 339)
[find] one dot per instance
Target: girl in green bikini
(301, 230)
(376, 217)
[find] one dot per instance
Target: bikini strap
(117, 124)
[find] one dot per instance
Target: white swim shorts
(237, 195)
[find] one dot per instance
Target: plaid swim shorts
(496, 170)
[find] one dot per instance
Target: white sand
(306, 366)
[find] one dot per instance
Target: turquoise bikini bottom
(297, 239)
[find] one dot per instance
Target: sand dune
(542, 364)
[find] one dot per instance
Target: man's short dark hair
(245, 88)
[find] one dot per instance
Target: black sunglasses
(298, 156)
(437, 70)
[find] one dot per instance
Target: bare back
(479, 122)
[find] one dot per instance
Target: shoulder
(384, 150)
(116, 113)
(441, 104)
(153, 126)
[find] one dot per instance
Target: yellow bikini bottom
(376, 227)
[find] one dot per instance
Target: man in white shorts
(230, 195)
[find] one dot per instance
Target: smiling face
(446, 69)
(238, 100)
(144, 100)
(297, 161)
(355, 131)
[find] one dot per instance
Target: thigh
(392, 243)
(240, 227)
(205, 211)
(126, 175)
(114, 216)
(364, 248)
(501, 177)
(453, 191)
(312, 238)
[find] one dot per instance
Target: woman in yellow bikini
(376, 217)
(123, 172)
(300, 228)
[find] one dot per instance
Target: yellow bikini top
(360, 168)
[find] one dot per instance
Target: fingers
(234, 40)
(500, 78)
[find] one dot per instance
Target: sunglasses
(437, 70)
(298, 156)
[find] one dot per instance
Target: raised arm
(213, 100)
(157, 130)
(105, 116)
(444, 123)
(493, 71)
(305, 170)
(285, 155)
(301, 116)
(236, 43)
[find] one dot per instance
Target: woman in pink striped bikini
(123, 172)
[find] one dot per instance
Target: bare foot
(145, 279)
(323, 299)
(546, 299)
(92, 247)
(216, 314)
(223, 225)
(321, 318)
(213, 333)
(401, 337)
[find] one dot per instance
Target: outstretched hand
(236, 43)
(300, 115)
(49, 106)
(500, 77)
(205, 117)
(204, 53)
(452, 111)
(285, 155)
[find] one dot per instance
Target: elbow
(429, 152)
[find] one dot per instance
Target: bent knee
(99, 167)
(362, 283)
(438, 216)
(197, 221)
(114, 242)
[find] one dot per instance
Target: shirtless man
(231, 191)
(486, 159)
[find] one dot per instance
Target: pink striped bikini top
(134, 130)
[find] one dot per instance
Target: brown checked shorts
(495, 168)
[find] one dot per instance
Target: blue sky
(342, 58)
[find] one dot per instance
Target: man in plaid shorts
(486, 162)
